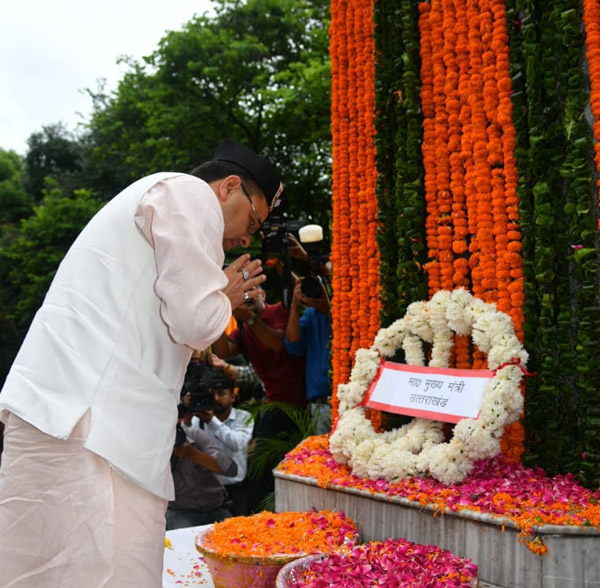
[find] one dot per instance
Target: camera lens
(311, 287)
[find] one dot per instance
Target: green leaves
(399, 124)
(257, 72)
(29, 261)
(558, 211)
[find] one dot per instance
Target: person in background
(198, 467)
(90, 429)
(260, 337)
(307, 335)
(246, 379)
(231, 428)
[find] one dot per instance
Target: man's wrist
(251, 321)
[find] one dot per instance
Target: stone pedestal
(573, 559)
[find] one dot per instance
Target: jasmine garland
(418, 448)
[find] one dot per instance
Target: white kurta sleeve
(181, 218)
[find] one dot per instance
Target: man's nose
(245, 241)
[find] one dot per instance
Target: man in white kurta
(90, 403)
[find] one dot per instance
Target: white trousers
(68, 520)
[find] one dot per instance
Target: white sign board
(441, 394)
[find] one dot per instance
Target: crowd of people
(101, 451)
(270, 354)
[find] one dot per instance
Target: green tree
(28, 263)
(257, 72)
(14, 202)
(57, 153)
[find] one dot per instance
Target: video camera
(276, 231)
(202, 397)
(200, 401)
(275, 242)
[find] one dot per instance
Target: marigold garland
(591, 19)
(472, 219)
(484, 218)
(355, 257)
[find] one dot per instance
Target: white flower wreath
(417, 449)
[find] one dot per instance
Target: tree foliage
(14, 201)
(54, 152)
(257, 72)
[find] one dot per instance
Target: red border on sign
(425, 369)
(420, 369)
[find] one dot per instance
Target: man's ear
(227, 186)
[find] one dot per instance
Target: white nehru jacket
(139, 288)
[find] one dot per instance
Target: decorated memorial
(466, 162)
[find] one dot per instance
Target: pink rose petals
(395, 563)
(527, 496)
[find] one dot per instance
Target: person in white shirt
(232, 430)
(90, 402)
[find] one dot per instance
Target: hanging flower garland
(355, 253)
(591, 19)
(417, 448)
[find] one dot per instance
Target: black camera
(180, 436)
(275, 241)
(311, 287)
(200, 401)
(275, 231)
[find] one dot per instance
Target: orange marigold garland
(355, 255)
(591, 19)
(472, 224)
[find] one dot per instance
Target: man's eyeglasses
(254, 226)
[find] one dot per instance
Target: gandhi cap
(262, 171)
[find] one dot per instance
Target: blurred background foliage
(256, 71)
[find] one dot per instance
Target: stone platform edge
(492, 542)
(464, 513)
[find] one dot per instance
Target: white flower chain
(417, 449)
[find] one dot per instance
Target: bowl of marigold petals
(248, 552)
(394, 563)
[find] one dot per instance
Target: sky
(52, 50)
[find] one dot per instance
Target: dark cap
(262, 171)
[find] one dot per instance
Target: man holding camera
(231, 429)
(307, 335)
(197, 464)
(90, 403)
(260, 337)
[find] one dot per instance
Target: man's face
(243, 212)
(223, 400)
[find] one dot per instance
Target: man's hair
(215, 379)
(209, 171)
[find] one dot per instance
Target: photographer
(200, 496)
(231, 428)
(260, 337)
(307, 334)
